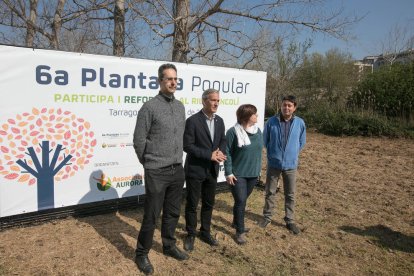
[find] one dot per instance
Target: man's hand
(231, 179)
(218, 156)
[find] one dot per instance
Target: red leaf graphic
(59, 111)
(67, 135)
(52, 117)
(51, 130)
(44, 110)
(15, 130)
(2, 132)
(59, 125)
(11, 121)
(39, 122)
(34, 133)
(4, 149)
(32, 181)
(80, 128)
(18, 137)
(66, 112)
(12, 176)
(93, 143)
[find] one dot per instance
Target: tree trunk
(57, 24)
(181, 11)
(30, 30)
(119, 28)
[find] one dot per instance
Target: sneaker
(175, 253)
(241, 238)
(144, 264)
(264, 223)
(189, 243)
(293, 228)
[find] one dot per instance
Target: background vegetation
(335, 97)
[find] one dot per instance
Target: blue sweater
(278, 158)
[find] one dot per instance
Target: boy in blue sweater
(284, 136)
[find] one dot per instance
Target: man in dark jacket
(204, 143)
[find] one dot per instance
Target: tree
(218, 29)
(69, 136)
(399, 39)
(328, 77)
(119, 29)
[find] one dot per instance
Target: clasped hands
(218, 156)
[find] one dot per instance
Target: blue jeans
(241, 191)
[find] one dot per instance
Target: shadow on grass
(114, 229)
(384, 237)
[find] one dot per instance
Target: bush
(338, 123)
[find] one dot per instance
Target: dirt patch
(354, 205)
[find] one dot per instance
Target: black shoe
(175, 253)
(293, 228)
(144, 264)
(264, 223)
(246, 229)
(189, 243)
(209, 240)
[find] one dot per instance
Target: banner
(67, 122)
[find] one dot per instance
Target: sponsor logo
(103, 183)
(115, 135)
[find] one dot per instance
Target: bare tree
(119, 28)
(399, 41)
(226, 29)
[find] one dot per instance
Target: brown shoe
(241, 238)
(263, 223)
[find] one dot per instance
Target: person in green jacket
(243, 164)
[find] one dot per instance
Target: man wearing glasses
(158, 144)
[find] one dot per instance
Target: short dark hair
(291, 99)
(244, 112)
(164, 67)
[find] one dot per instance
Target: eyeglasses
(170, 79)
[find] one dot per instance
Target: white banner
(67, 122)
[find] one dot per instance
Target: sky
(380, 16)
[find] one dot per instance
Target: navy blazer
(198, 145)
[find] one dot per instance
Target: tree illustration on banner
(49, 144)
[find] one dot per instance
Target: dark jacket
(198, 145)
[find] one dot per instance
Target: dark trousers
(241, 191)
(163, 190)
(206, 188)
